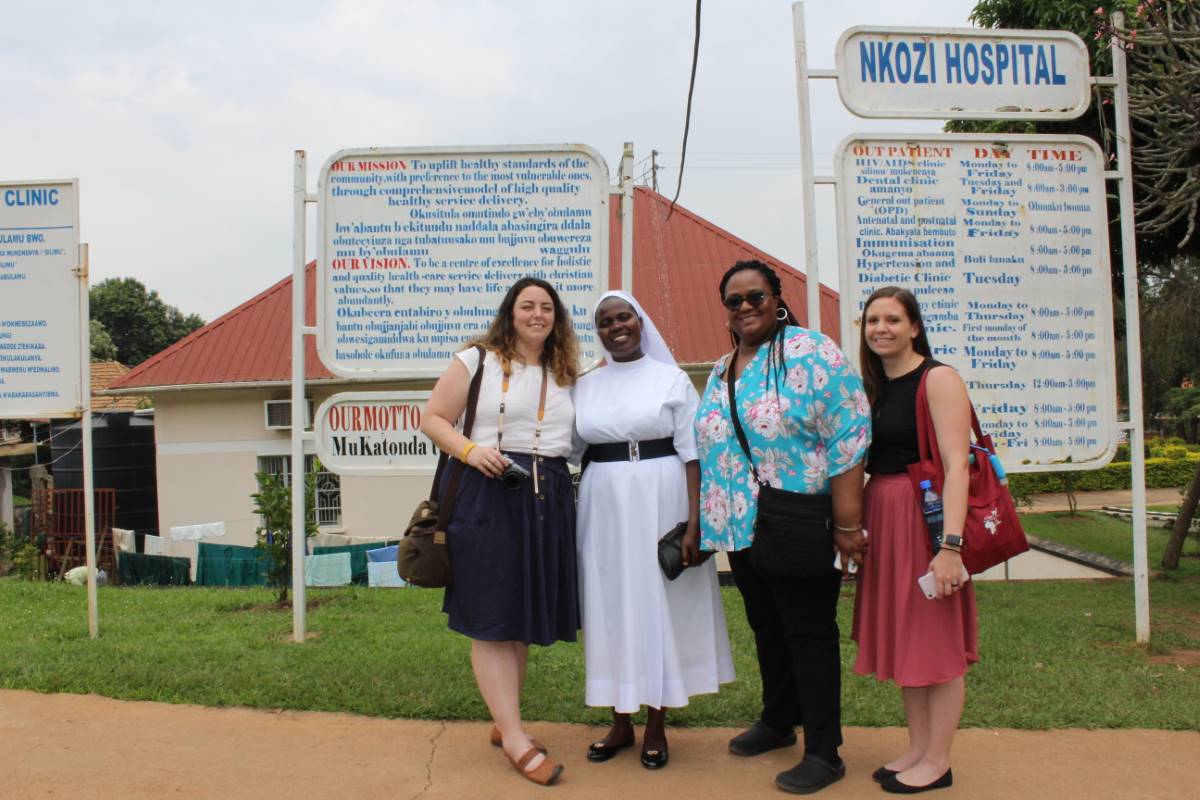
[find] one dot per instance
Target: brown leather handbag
(423, 556)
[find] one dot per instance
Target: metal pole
(627, 218)
(85, 419)
(299, 543)
(808, 195)
(1133, 338)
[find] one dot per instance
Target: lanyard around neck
(537, 431)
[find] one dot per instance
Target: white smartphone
(926, 583)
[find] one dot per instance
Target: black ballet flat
(896, 786)
(599, 751)
(655, 759)
(883, 773)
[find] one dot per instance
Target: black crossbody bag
(793, 531)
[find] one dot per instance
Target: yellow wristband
(466, 451)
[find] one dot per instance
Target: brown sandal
(546, 773)
(498, 741)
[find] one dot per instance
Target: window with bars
(329, 486)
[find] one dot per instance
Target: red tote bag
(992, 533)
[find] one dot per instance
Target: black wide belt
(630, 451)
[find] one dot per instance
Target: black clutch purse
(670, 552)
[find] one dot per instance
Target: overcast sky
(180, 119)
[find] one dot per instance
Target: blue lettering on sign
(30, 197)
(988, 63)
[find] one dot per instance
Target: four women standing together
(783, 413)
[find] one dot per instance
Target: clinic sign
(963, 73)
(1005, 244)
(39, 300)
(374, 433)
(418, 246)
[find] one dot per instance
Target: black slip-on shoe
(811, 775)
(760, 738)
(896, 786)
(599, 751)
(883, 773)
(655, 758)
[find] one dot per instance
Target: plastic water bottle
(931, 507)
(998, 468)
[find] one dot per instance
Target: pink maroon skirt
(902, 636)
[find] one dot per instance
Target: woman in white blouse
(512, 535)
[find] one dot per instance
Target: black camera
(514, 475)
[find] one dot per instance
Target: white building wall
(208, 445)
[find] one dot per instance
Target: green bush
(1161, 473)
(17, 555)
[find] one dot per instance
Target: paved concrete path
(92, 747)
(1095, 500)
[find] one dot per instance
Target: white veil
(653, 344)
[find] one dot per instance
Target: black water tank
(122, 459)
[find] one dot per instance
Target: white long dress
(647, 641)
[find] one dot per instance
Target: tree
(139, 322)
(273, 502)
(103, 348)
(1170, 331)
(1184, 406)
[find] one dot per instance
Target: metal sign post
(811, 265)
(300, 199)
(1133, 338)
(85, 417)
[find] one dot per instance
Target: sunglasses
(755, 298)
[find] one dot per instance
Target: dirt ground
(92, 747)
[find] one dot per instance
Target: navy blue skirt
(513, 559)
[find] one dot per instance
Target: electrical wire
(687, 117)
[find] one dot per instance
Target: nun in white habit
(647, 640)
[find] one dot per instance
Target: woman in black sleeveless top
(924, 645)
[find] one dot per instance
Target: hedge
(1161, 473)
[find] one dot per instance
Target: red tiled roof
(677, 267)
(104, 373)
(251, 344)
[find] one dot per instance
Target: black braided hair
(775, 364)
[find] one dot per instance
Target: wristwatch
(953, 541)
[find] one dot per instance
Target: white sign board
(40, 355)
(963, 73)
(417, 247)
(1006, 247)
(374, 433)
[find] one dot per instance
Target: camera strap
(537, 431)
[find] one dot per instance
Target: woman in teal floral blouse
(808, 425)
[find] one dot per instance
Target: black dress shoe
(896, 786)
(812, 774)
(599, 751)
(760, 738)
(655, 758)
(883, 773)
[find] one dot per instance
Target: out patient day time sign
(1005, 245)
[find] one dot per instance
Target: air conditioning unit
(278, 414)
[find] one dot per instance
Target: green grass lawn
(1112, 537)
(1054, 654)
